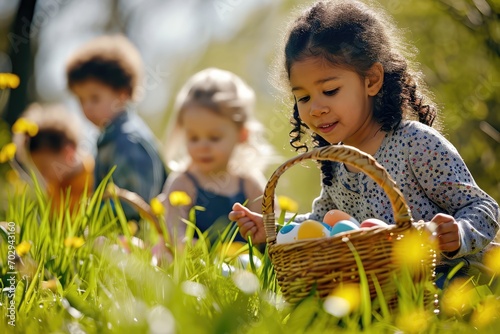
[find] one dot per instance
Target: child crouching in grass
(351, 84)
(218, 146)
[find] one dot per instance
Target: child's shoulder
(128, 127)
(253, 183)
(418, 135)
(179, 181)
(415, 130)
(409, 128)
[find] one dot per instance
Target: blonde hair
(227, 95)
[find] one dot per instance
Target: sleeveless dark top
(217, 207)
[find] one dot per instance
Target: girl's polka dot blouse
(433, 179)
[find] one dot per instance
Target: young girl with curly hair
(353, 84)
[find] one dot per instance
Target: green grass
(101, 287)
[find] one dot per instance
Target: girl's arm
(321, 205)
(249, 217)
(249, 222)
(446, 180)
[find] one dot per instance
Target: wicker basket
(320, 265)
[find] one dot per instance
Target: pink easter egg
(371, 222)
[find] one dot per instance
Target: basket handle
(351, 156)
(137, 202)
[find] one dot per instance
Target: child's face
(55, 167)
(100, 102)
(334, 102)
(210, 138)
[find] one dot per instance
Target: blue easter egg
(328, 227)
(343, 226)
(287, 228)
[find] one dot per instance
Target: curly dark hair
(110, 59)
(351, 35)
(57, 127)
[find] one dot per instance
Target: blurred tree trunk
(22, 60)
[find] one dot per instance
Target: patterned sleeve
(447, 182)
(321, 205)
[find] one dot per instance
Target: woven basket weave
(323, 264)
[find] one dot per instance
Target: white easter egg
(287, 233)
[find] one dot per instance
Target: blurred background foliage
(458, 43)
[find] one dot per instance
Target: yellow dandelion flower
(14, 81)
(23, 248)
(50, 285)
(343, 300)
(486, 313)
(9, 80)
(132, 227)
(492, 259)
(74, 242)
(457, 298)
(413, 251)
(179, 198)
(287, 204)
(415, 321)
(157, 206)
(23, 125)
(8, 152)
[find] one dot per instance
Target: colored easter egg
(334, 216)
(371, 222)
(287, 233)
(343, 226)
(312, 229)
(326, 225)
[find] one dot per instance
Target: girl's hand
(447, 232)
(250, 223)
